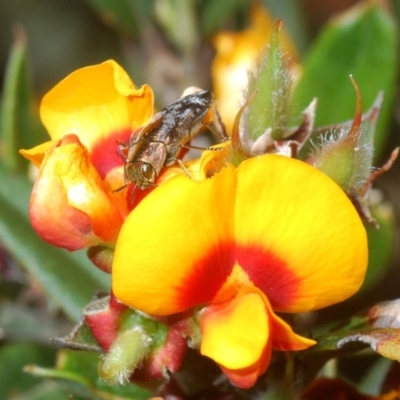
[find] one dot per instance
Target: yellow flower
(87, 114)
(274, 234)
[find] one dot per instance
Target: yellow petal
(86, 192)
(36, 154)
(173, 250)
(235, 333)
(69, 186)
(299, 238)
(96, 102)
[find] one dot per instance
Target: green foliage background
(168, 45)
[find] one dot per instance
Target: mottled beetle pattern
(160, 141)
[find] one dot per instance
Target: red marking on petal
(134, 195)
(269, 273)
(207, 276)
(105, 154)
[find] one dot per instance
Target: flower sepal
(134, 346)
(101, 257)
(137, 347)
(187, 324)
(346, 155)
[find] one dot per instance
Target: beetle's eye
(148, 172)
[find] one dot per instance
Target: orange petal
(236, 334)
(36, 154)
(239, 335)
(285, 339)
(173, 251)
(282, 336)
(101, 105)
(245, 378)
(213, 160)
(299, 238)
(70, 187)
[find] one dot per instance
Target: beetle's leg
(217, 127)
(132, 196)
(190, 147)
(222, 136)
(120, 188)
(122, 150)
(126, 183)
(180, 163)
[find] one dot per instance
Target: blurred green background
(169, 52)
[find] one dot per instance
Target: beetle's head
(142, 173)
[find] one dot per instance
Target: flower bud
(346, 154)
(101, 257)
(124, 356)
(132, 339)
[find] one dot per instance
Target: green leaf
(270, 83)
(381, 242)
(374, 379)
(45, 391)
(179, 21)
(293, 19)
(377, 328)
(78, 369)
(15, 118)
(361, 42)
(125, 16)
(215, 13)
(80, 338)
(18, 323)
(13, 357)
(68, 278)
(385, 341)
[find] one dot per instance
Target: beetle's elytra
(159, 142)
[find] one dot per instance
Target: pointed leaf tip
(272, 80)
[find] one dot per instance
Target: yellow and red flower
(231, 246)
(274, 234)
(87, 114)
